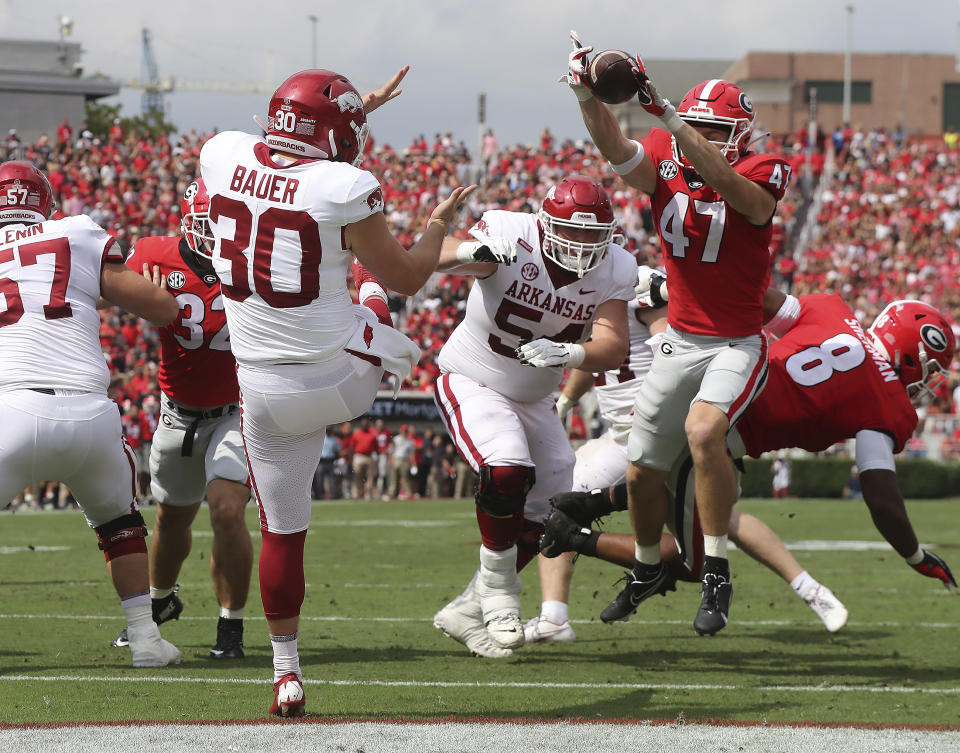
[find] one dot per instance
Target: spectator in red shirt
(364, 443)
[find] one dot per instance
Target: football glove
(543, 352)
(492, 250)
(652, 102)
(577, 77)
(651, 288)
(564, 406)
(933, 567)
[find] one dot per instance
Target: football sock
(160, 593)
(528, 545)
(286, 657)
(555, 611)
(803, 584)
(499, 533)
(281, 574)
(647, 554)
(138, 610)
(231, 614)
(376, 303)
(715, 546)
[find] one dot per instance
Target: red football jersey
(826, 383)
(196, 365)
(717, 262)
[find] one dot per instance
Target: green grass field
(377, 572)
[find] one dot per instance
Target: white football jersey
(616, 390)
(50, 285)
(518, 303)
(279, 248)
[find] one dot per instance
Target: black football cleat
(638, 590)
(584, 507)
(714, 603)
(229, 639)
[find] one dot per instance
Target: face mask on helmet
(318, 114)
(918, 342)
(195, 219)
(724, 106)
(578, 224)
(25, 193)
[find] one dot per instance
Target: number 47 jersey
(520, 302)
(826, 383)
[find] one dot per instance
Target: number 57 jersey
(521, 302)
(826, 383)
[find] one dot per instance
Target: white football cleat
(828, 607)
(542, 630)
(149, 649)
(288, 697)
(506, 629)
(462, 620)
(497, 587)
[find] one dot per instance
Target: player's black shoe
(165, 609)
(561, 534)
(638, 589)
(229, 639)
(584, 507)
(714, 603)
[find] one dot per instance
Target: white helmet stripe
(708, 89)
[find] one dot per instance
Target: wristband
(577, 355)
(626, 167)
(915, 559)
(582, 92)
(785, 317)
(671, 120)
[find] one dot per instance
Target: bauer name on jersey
(281, 247)
(196, 365)
(826, 383)
(50, 320)
(518, 303)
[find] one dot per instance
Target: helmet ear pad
(318, 114)
(578, 224)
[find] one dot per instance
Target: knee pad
(123, 535)
(502, 489)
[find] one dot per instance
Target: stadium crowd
(888, 227)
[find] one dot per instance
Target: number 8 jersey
(826, 383)
(279, 247)
(520, 302)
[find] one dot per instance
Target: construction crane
(154, 86)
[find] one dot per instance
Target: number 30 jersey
(518, 303)
(279, 247)
(718, 263)
(49, 286)
(826, 383)
(196, 365)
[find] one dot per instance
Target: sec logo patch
(668, 169)
(529, 271)
(176, 280)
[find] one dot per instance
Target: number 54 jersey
(826, 383)
(521, 302)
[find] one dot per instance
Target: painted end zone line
(543, 685)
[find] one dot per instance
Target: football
(611, 73)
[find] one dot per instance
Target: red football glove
(652, 102)
(933, 567)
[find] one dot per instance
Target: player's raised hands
(934, 567)
(446, 210)
(652, 102)
(577, 66)
(385, 93)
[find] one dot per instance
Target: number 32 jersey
(718, 263)
(518, 303)
(279, 252)
(196, 365)
(826, 383)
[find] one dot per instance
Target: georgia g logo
(666, 348)
(934, 337)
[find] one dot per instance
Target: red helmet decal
(25, 193)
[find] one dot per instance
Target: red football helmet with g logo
(25, 193)
(195, 219)
(578, 224)
(720, 104)
(318, 113)
(918, 341)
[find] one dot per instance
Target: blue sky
(514, 51)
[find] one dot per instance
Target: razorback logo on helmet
(349, 102)
(375, 200)
(934, 337)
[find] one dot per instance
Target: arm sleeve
(364, 198)
(874, 451)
